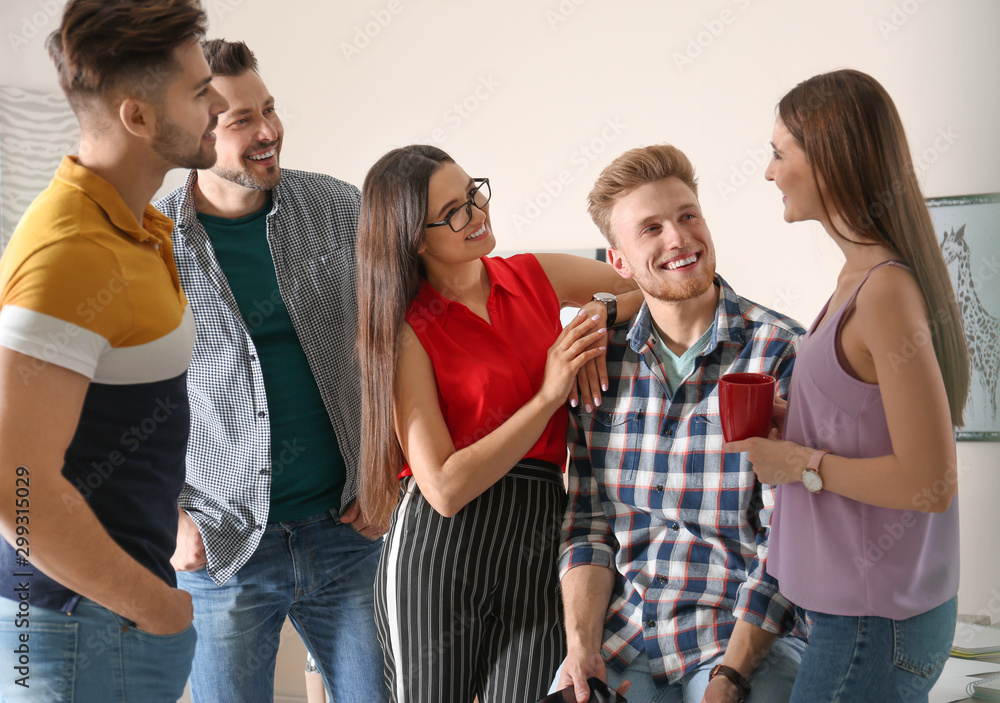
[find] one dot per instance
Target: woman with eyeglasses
(465, 374)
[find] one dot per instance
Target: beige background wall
(540, 95)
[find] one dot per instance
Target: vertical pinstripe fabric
(469, 605)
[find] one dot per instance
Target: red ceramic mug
(745, 404)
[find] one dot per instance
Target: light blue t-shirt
(677, 368)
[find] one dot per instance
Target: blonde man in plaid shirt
(665, 536)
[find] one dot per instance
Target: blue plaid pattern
(311, 229)
(652, 494)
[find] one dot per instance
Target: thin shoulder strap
(849, 308)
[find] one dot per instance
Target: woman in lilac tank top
(865, 528)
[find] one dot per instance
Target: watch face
(605, 297)
(812, 481)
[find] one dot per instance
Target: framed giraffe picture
(968, 230)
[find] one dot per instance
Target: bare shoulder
(406, 335)
(890, 299)
(410, 350)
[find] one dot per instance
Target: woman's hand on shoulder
(578, 343)
(592, 377)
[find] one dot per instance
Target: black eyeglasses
(459, 218)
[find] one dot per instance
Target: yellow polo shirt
(85, 286)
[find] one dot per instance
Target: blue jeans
(318, 572)
(90, 656)
(858, 659)
(771, 682)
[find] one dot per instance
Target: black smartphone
(599, 693)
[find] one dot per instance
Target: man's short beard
(682, 290)
(247, 180)
(168, 144)
(686, 290)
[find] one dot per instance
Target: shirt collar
(729, 323)
(187, 215)
(500, 277)
(155, 228)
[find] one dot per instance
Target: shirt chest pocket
(619, 434)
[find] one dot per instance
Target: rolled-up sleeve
(586, 534)
(758, 599)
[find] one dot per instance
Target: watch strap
(734, 676)
(810, 477)
(815, 459)
(610, 305)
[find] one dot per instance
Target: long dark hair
(854, 141)
(391, 228)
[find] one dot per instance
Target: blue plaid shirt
(652, 494)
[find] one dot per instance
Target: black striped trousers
(469, 606)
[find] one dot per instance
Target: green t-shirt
(307, 468)
(677, 368)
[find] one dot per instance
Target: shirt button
(650, 623)
(669, 433)
(659, 488)
(260, 413)
(661, 579)
(264, 471)
(674, 526)
(253, 357)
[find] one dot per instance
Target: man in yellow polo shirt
(95, 341)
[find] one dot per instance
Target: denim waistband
(331, 514)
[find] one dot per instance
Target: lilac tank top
(835, 555)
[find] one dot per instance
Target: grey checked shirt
(311, 231)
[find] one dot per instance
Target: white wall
(525, 91)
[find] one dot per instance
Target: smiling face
(662, 241)
(449, 189)
(249, 133)
(791, 172)
(187, 112)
